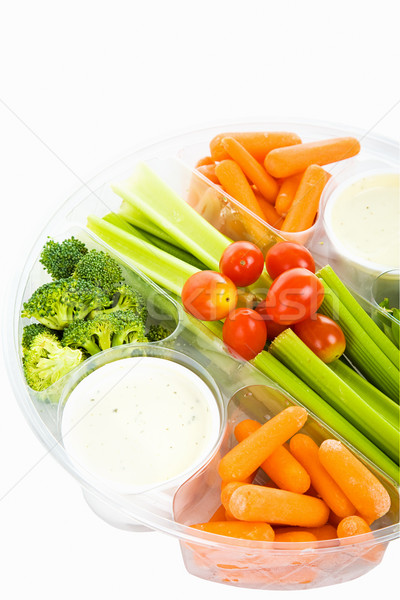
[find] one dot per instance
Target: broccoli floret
(60, 258)
(156, 333)
(46, 361)
(129, 328)
(100, 269)
(92, 335)
(58, 303)
(30, 332)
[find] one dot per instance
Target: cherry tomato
(273, 329)
(323, 336)
(209, 296)
(245, 333)
(288, 255)
(242, 262)
(294, 296)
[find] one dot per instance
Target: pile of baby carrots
(274, 174)
(313, 492)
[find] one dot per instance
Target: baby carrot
(305, 203)
(226, 494)
(209, 172)
(283, 162)
(218, 515)
(306, 451)
(255, 172)
(352, 526)
(270, 214)
(294, 536)
(325, 532)
(361, 487)
(258, 143)
(239, 529)
(259, 503)
(206, 160)
(244, 458)
(286, 194)
(280, 466)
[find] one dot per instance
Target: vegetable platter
(152, 352)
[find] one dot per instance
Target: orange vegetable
(325, 532)
(209, 172)
(258, 143)
(206, 160)
(218, 515)
(286, 194)
(302, 213)
(244, 458)
(294, 536)
(361, 487)
(239, 529)
(226, 494)
(352, 526)
(280, 466)
(283, 162)
(269, 212)
(306, 452)
(259, 503)
(255, 172)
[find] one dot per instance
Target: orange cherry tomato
(209, 296)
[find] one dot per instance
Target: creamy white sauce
(365, 219)
(140, 421)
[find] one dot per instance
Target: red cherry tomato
(209, 296)
(323, 336)
(294, 296)
(273, 329)
(242, 262)
(288, 255)
(245, 333)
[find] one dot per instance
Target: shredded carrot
(283, 162)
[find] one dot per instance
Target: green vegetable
(370, 394)
(124, 297)
(100, 269)
(138, 219)
(166, 270)
(389, 321)
(30, 332)
(60, 258)
(289, 382)
(46, 360)
(156, 241)
(156, 333)
(58, 303)
(146, 192)
(361, 350)
(291, 351)
(129, 328)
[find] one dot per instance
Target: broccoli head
(100, 269)
(46, 361)
(30, 332)
(92, 335)
(60, 258)
(129, 328)
(124, 297)
(156, 333)
(60, 302)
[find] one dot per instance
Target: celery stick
(364, 320)
(148, 193)
(289, 349)
(304, 395)
(166, 270)
(370, 394)
(360, 348)
(139, 220)
(118, 221)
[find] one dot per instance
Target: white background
(87, 81)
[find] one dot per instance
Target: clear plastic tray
(240, 390)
